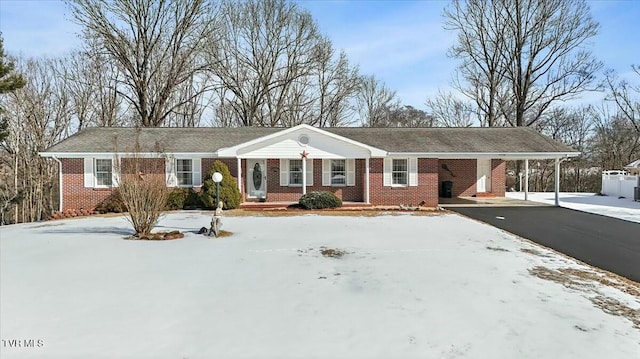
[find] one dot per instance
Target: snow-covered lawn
(623, 208)
(409, 286)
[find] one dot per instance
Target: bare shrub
(145, 197)
(142, 186)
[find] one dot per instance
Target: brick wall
(498, 177)
(74, 194)
(427, 189)
(277, 193)
(147, 166)
(463, 173)
(430, 176)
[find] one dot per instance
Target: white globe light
(217, 177)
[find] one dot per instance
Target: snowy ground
(408, 286)
(623, 208)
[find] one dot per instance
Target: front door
(484, 176)
(257, 178)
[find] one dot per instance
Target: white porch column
(526, 180)
(304, 175)
(366, 180)
(557, 180)
(239, 162)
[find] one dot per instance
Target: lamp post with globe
(217, 178)
(216, 221)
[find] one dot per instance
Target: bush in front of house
(181, 198)
(112, 204)
(144, 197)
(176, 199)
(229, 193)
(192, 200)
(319, 200)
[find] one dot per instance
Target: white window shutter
(326, 172)
(115, 172)
(413, 171)
(386, 176)
(309, 172)
(196, 167)
(170, 171)
(351, 172)
(284, 173)
(88, 172)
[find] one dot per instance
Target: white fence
(619, 186)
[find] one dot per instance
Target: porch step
(259, 206)
(485, 195)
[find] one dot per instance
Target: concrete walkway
(608, 243)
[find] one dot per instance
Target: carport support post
(366, 180)
(557, 180)
(526, 180)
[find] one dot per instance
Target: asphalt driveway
(608, 243)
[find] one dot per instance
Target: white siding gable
(287, 146)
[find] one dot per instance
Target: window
(184, 172)
(103, 174)
(295, 172)
(399, 172)
(338, 172)
(291, 172)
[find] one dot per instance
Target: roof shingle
(412, 140)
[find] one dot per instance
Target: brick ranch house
(377, 166)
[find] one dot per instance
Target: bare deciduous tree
(533, 50)
(409, 116)
(92, 83)
(573, 127)
(337, 83)
(375, 102)
(155, 45)
(626, 97)
(38, 116)
(449, 111)
(616, 139)
(480, 43)
(264, 49)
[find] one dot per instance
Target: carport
(475, 194)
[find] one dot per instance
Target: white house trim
(127, 154)
(492, 155)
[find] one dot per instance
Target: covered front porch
(282, 167)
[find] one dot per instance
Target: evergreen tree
(229, 193)
(9, 82)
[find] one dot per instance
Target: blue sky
(401, 42)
